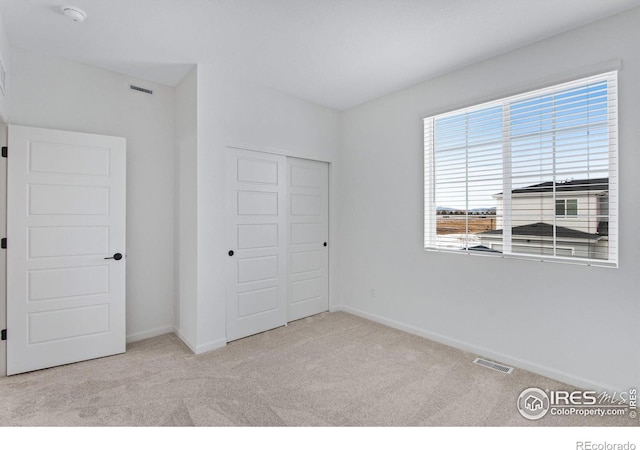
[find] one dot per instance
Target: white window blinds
(532, 175)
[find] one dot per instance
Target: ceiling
(337, 53)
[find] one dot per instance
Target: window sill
(545, 259)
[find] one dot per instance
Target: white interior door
(256, 281)
(66, 216)
(308, 232)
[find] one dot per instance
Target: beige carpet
(331, 369)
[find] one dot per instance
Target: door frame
(3, 256)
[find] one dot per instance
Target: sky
(566, 132)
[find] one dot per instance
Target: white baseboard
(213, 345)
(198, 349)
(135, 337)
(186, 341)
(480, 351)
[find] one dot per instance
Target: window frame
(430, 208)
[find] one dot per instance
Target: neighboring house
(579, 209)
(537, 238)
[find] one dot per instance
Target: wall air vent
(140, 89)
(493, 365)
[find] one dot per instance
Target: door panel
(50, 284)
(66, 214)
(256, 269)
(50, 326)
(253, 236)
(257, 203)
(256, 283)
(49, 157)
(308, 225)
(52, 200)
(45, 242)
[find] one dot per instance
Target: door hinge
(4, 335)
(5, 151)
(3, 243)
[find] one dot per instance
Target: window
(528, 176)
(567, 208)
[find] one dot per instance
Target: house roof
(541, 229)
(482, 248)
(585, 184)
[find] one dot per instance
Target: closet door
(257, 268)
(307, 240)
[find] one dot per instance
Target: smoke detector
(74, 13)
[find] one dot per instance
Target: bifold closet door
(307, 237)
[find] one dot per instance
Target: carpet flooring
(333, 369)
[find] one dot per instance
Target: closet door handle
(116, 256)
(231, 253)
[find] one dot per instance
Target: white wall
(186, 244)
(573, 323)
(4, 56)
(54, 93)
(235, 113)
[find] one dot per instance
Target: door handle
(116, 256)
